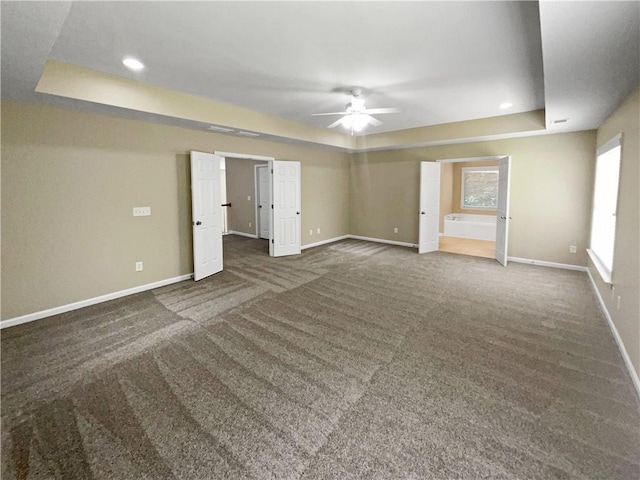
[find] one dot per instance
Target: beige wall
(551, 182)
(626, 262)
(457, 186)
(326, 181)
(70, 180)
(241, 187)
(446, 192)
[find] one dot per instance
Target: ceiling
(438, 62)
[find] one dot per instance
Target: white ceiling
(591, 58)
(438, 62)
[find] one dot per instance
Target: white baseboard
(10, 322)
(382, 240)
(614, 331)
(242, 234)
(324, 242)
(542, 263)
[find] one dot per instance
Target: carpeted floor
(351, 361)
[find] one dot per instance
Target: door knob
(297, 213)
(421, 213)
(259, 206)
(198, 223)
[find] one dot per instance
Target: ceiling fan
(356, 117)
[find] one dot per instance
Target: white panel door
(502, 221)
(206, 197)
(286, 208)
(429, 207)
(264, 208)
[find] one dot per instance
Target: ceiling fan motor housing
(356, 105)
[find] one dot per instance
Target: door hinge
(272, 206)
(272, 241)
(272, 171)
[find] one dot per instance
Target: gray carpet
(351, 361)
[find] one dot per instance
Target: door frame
(256, 181)
(483, 159)
(269, 161)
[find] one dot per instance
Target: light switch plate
(141, 211)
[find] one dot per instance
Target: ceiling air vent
(214, 128)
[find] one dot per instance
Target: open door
(502, 220)
(263, 198)
(429, 207)
(206, 209)
(286, 209)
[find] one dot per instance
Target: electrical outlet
(248, 198)
(573, 249)
(249, 224)
(395, 229)
(618, 304)
(613, 292)
(138, 266)
(311, 231)
(318, 231)
(141, 211)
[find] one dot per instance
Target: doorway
(241, 196)
(206, 202)
(283, 190)
(241, 202)
(464, 205)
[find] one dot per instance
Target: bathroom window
(605, 206)
(479, 188)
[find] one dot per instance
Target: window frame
(492, 169)
(605, 272)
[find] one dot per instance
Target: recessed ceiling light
(505, 105)
(248, 134)
(133, 64)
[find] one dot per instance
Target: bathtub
(467, 225)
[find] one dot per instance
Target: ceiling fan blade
(378, 111)
(373, 121)
(330, 113)
(335, 124)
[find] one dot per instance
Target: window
(479, 188)
(605, 205)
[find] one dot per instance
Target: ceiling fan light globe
(355, 122)
(347, 121)
(359, 122)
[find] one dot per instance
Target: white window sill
(604, 272)
(466, 207)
